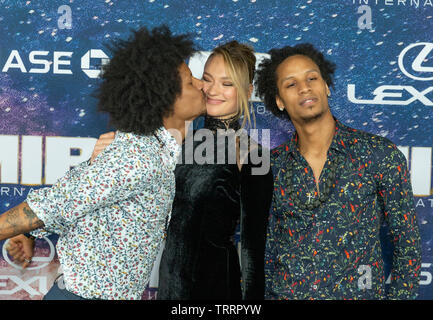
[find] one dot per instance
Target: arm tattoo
(12, 220)
(32, 219)
(17, 220)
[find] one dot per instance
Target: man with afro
(111, 214)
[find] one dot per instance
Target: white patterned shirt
(111, 215)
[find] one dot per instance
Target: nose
(304, 87)
(209, 88)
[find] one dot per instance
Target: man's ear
(279, 103)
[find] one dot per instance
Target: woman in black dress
(200, 260)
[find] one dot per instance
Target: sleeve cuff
(41, 204)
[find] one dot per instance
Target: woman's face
(221, 94)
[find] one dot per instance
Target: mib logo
(416, 62)
(56, 62)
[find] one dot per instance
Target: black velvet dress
(200, 260)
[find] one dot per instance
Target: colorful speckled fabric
(334, 251)
(111, 215)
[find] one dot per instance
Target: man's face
(191, 102)
(302, 92)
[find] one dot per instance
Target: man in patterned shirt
(111, 215)
(334, 188)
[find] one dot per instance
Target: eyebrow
(308, 71)
(224, 78)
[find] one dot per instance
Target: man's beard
(312, 118)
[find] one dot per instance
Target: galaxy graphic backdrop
(50, 58)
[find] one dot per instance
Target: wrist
(28, 235)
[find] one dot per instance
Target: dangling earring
(329, 93)
(281, 109)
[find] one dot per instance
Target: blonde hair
(240, 63)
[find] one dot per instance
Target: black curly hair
(141, 82)
(266, 81)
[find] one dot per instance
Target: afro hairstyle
(266, 81)
(141, 82)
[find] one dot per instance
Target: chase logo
(93, 54)
(56, 62)
(413, 61)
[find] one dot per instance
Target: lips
(214, 101)
(308, 101)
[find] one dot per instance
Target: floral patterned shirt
(333, 251)
(111, 215)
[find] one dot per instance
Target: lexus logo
(418, 70)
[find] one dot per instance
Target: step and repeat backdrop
(50, 58)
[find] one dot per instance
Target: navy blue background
(62, 105)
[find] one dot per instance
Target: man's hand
(21, 248)
(103, 141)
